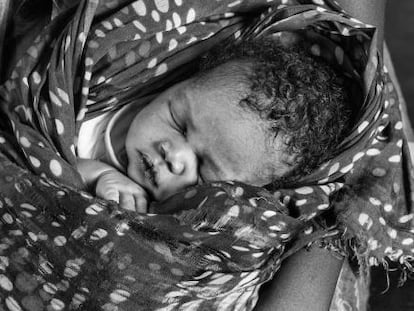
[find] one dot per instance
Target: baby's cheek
(174, 184)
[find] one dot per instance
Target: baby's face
(196, 131)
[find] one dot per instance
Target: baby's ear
(290, 156)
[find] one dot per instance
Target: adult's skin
(306, 282)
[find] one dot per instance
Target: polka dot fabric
(211, 247)
(62, 249)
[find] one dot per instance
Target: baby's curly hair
(296, 93)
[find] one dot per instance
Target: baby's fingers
(141, 203)
(109, 194)
(127, 201)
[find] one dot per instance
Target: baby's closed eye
(177, 122)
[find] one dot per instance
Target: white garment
(96, 138)
(91, 137)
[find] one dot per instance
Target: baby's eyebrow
(180, 104)
(187, 100)
(173, 117)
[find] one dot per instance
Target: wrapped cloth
(211, 246)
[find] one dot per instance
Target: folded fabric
(212, 246)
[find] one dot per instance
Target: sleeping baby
(256, 112)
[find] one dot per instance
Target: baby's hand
(113, 185)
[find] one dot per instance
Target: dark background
(399, 34)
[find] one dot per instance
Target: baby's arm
(110, 184)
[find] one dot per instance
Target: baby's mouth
(148, 170)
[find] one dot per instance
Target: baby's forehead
(217, 97)
(230, 73)
(208, 94)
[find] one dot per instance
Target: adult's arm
(368, 11)
(305, 282)
(372, 12)
(4, 18)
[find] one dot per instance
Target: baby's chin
(166, 192)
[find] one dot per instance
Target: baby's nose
(177, 167)
(180, 171)
(178, 158)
